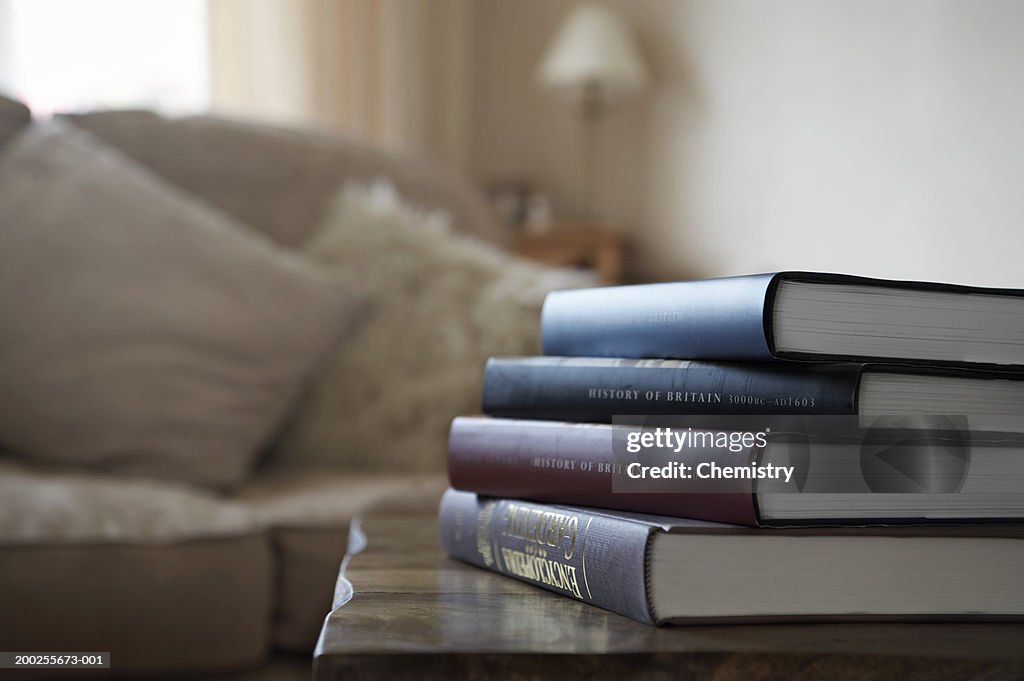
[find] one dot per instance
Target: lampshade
(594, 47)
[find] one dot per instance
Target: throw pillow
(145, 333)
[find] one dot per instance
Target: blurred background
(254, 254)
(874, 137)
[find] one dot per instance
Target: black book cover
(596, 389)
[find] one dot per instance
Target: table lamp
(593, 59)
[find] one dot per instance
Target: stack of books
(911, 508)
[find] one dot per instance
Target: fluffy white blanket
(441, 304)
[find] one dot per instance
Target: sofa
(200, 536)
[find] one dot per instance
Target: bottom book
(661, 570)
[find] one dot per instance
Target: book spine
(566, 389)
(711, 319)
(584, 556)
(575, 463)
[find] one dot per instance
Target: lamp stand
(591, 112)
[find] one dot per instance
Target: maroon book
(575, 463)
(827, 482)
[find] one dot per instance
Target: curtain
(394, 71)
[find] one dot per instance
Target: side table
(403, 610)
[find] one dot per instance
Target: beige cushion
(13, 117)
(441, 304)
(308, 516)
(145, 333)
(163, 577)
(49, 507)
(281, 181)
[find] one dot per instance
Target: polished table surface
(403, 610)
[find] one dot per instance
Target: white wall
(874, 137)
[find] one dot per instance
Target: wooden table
(405, 611)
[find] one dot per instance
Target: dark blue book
(791, 315)
(596, 389)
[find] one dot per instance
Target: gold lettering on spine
(483, 534)
(542, 531)
(543, 570)
(546, 528)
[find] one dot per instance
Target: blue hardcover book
(596, 389)
(661, 570)
(791, 315)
